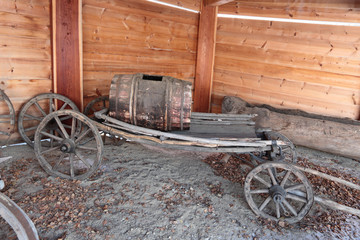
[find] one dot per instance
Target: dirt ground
(145, 192)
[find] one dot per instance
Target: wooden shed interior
(298, 54)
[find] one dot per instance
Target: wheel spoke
(32, 117)
(259, 191)
(270, 171)
(71, 158)
(296, 197)
(265, 203)
(50, 150)
(65, 118)
(63, 106)
(40, 108)
(51, 102)
(82, 135)
(61, 126)
(82, 159)
(294, 187)
(52, 136)
(72, 135)
(292, 210)
(86, 148)
(61, 158)
(262, 181)
(30, 129)
(277, 206)
(285, 178)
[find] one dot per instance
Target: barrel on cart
(156, 102)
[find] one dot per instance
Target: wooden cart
(69, 144)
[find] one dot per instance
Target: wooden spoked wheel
(34, 111)
(68, 145)
(277, 191)
(95, 105)
(7, 115)
(285, 152)
(20, 223)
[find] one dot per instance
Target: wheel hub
(277, 193)
(67, 146)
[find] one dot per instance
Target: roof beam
(214, 3)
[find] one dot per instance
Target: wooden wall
(311, 67)
(129, 36)
(25, 50)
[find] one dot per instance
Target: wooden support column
(205, 57)
(67, 49)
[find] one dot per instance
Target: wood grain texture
(127, 37)
(205, 58)
(25, 51)
(321, 10)
(314, 68)
(214, 3)
(67, 50)
(190, 4)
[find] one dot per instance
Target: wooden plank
(67, 50)
(344, 11)
(205, 58)
(290, 58)
(288, 73)
(190, 4)
(214, 3)
(144, 8)
(24, 69)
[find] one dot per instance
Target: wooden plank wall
(189, 4)
(126, 37)
(25, 50)
(311, 67)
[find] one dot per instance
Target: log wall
(25, 50)
(312, 67)
(125, 37)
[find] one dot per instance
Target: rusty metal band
(136, 87)
(116, 99)
(131, 99)
(182, 106)
(170, 104)
(167, 103)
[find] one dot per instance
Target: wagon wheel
(34, 111)
(75, 149)
(278, 191)
(95, 105)
(285, 152)
(7, 115)
(18, 220)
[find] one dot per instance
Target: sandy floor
(152, 193)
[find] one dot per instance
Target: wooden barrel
(157, 102)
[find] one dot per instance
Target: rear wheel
(74, 150)
(278, 191)
(35, 110)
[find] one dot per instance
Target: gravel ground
(144, 192)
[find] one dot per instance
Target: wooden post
(205, 57)
(67, 49)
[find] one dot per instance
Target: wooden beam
(205, 58)
(67, 49)
(215, 3)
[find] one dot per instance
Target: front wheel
(278, 191)
(68, 145)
